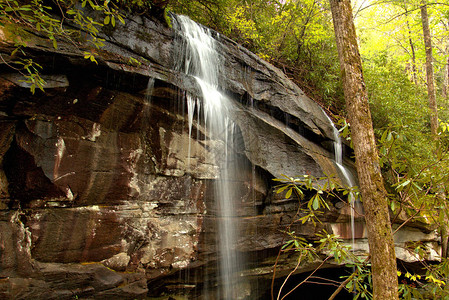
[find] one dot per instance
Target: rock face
(98, 195)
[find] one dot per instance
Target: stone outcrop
(98, 197)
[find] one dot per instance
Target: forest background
(298, 37)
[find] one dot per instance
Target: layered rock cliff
(98, 195)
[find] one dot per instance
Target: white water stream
(198, 57)
(349, 180)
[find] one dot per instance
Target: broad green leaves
(320, 187)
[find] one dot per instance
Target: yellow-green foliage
(297, 35)
(49, 19)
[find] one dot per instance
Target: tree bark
(444, 231)
(446, 68)
(380, 237)
(433, 115)
(445, 89)
(429, 71)
(412, 48)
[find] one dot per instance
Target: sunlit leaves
(394, 28)
(246, 27)
(299, 244)
(295, 34)
(51, 23)
(361, 281)
(321, 188)
(31, 75)
(90, 56)
(433, 281)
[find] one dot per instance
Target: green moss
(167, 19)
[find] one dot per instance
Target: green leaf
(289, 193)
(106, 20)
(299, 192)
(315, 203)
(384, 136)
(281, 189)
(393, 205)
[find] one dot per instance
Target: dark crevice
(26, 180)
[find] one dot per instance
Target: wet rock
(7, 129)
(106, 191)
(15, 254)
(118, 262)
(51, 81)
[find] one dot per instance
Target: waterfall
(197, 56)
(349, 180)
(149, 90)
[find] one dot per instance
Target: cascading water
(147, 102)
(197, 56)
(338, 152)
(149, 90)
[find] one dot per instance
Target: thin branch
(411, 217)
(280, 250)
(326, 279)
(316, 269)
(322, 283)
(293, 271)
(342, 285)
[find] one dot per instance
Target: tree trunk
(444, 231)
(445, 89)
(412, 48)
(429, 70)
(433, 113)
(380, 237)
(446, 68)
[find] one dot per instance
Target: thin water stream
(349, 180)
